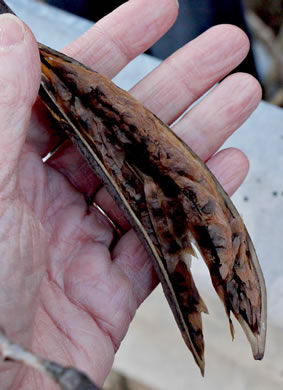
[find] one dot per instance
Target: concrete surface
(153, 350)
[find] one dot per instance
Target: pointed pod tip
(256, 340)
(202, 370)
(232, 329)
(258, 356)
(259, 346)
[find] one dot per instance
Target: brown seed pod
(167, 193)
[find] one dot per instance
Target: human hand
(63, 293)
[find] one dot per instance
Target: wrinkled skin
(62, 292)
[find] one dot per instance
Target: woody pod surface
(167, 193)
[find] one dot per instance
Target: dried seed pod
(167, 193)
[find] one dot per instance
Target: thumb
(19, 84)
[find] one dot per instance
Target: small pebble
(246, 198)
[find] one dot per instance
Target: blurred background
(153, 355)
(260, 19)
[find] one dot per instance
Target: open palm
(63, 292)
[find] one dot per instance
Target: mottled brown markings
(173, 251)
(167, 192)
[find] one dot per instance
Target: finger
(122, 35)
(105, 200)
(208, 124)
(108, 47)
(230, 166)
(106, 294)
(68, 161)
(132, 259)
(19, 83)
(181, 79)
(22, 247)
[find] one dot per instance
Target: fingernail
(177, 3)
(11, 31)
